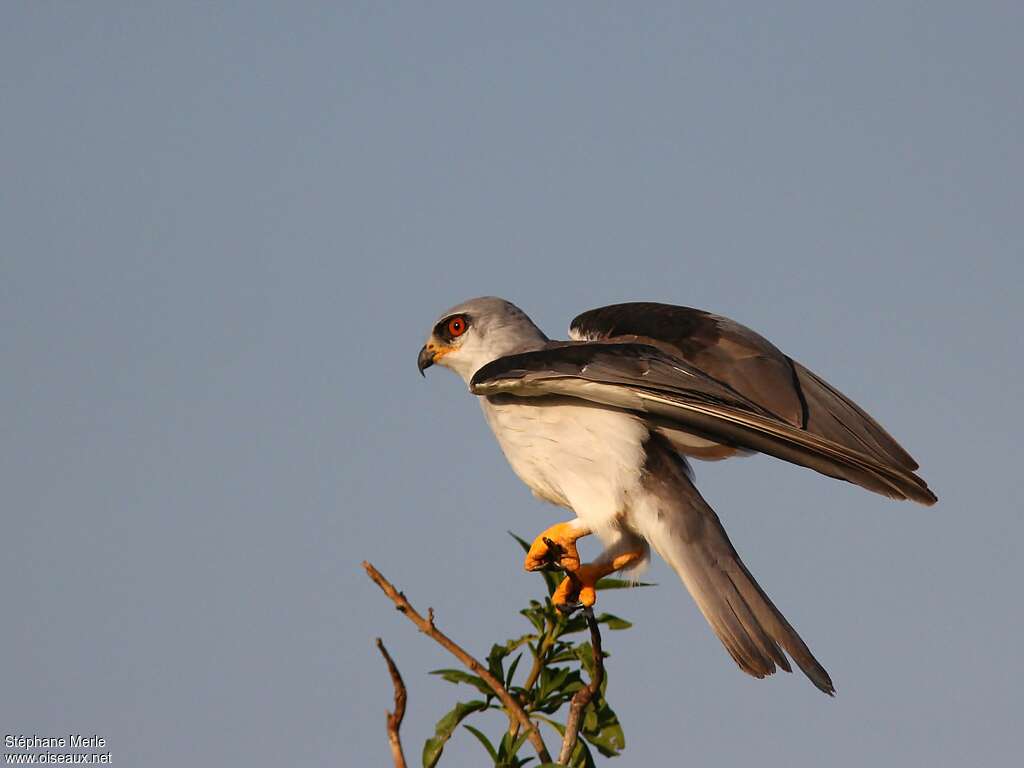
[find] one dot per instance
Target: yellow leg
(578, 585)
(563, 536)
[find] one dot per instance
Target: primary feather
(748, 363)
(643, 379)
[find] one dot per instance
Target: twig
(394, 719)
(584, 695)
(426, 626)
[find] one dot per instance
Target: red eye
(457, 326)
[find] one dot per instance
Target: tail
(688, 535)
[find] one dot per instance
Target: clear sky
(225, 230)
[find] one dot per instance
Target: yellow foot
(556, 546)
(579, 585)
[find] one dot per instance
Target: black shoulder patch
(689, 330)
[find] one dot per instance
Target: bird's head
(472, 334)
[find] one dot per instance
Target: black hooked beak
(425, 360)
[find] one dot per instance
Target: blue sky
(225, 232)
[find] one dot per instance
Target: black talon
(553, 547)
(553, 556)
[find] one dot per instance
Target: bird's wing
(749, 364)
(668, 390)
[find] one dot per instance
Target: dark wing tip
(822, 681)
(916, 489)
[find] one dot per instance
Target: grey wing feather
(749, 364)
(690, 537)
(646, 380)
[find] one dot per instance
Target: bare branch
(584, 695)
(426, 626)
(394, 719)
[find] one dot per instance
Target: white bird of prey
(604, 425)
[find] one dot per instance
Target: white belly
(582, 457)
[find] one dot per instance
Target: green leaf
(516, 642)
(585, 655)
(433, 747)
(495, 661)
(535, 613)
(509, 747)
(562, 656)
(555, 687)
(522, 542)
(577, 623)
(556, 725)
(461, 676)
(581, 757)
(512, 670)
(613, 622)
(554, 679)
(601, 728)
(608, 741)
(621, 584)
(483, 740)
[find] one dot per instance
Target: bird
(606, 423)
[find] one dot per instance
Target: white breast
(583, 457)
